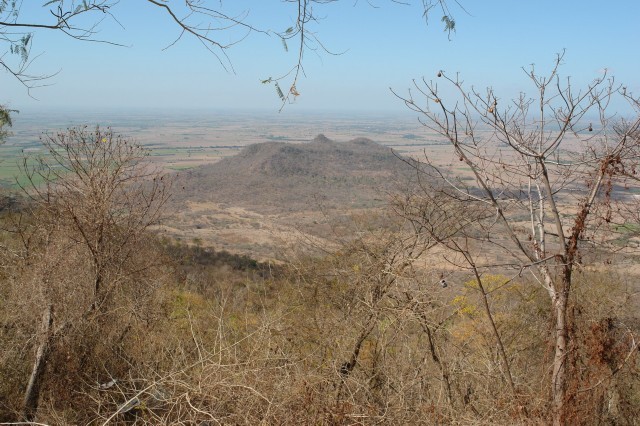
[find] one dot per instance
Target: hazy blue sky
(384, 46)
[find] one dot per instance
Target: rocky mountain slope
(277, 177)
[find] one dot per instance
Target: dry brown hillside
(275, 194)
(275, 177)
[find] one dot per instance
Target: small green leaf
(279, 92)
(449, 23)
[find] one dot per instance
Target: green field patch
(629, 228)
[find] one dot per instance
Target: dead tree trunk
(32, 394)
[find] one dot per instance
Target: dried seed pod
(439, 73)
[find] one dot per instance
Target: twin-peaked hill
(277, 177)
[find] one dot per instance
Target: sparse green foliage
(5, 121)
(449, 24)
(279, 92)
(21, 48)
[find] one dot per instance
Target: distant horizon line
(197, 112)
(291, 109)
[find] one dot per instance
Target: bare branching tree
(83, 248)
(546, 185)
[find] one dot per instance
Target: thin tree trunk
(32, 394)
(501, 351)
(558, 379)
(559, 375)
(347, 367)
(444, 369)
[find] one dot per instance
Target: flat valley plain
(181, 141)
(223, 208)
(187, 138)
